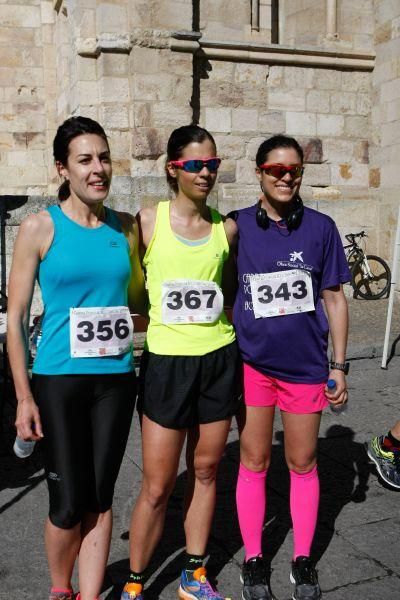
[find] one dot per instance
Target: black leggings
(86, 421)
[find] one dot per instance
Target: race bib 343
(281, 293)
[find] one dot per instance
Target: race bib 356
(100, 331)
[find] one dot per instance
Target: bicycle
(370, 274)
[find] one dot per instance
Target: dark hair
(178, 140)
(277, 141)
(70, 129)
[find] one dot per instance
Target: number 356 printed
(100, 331)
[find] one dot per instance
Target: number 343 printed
(281, 293)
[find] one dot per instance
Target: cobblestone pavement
(356, 544)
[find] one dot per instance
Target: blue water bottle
(336, 409)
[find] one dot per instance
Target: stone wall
(304, 22)
(27, 95)
(385, 135)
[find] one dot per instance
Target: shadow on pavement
(393, 349)
(16, 472)
(168, 558)
(344, 471)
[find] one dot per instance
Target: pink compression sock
(304, 501)
(251, 502)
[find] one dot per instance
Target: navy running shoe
(254, 579)
(305, 580)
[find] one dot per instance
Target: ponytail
(64, 191)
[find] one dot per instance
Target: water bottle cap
(331, 384)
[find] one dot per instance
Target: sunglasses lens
(195, 166)
(280, 171)
(192, 166)
(298, 172)
(276, 171)
(212, 164)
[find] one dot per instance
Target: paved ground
(358, 533)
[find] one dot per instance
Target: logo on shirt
(295, 256)
(113, 244)
(296, 260)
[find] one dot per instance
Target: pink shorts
(297, 398)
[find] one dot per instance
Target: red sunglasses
(195, 165)
(277, 170)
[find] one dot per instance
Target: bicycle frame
(364, 277)
(353, 253)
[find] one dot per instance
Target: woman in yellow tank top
(189, 367)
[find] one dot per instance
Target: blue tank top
(83, 267)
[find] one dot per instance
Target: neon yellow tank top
(171, 268)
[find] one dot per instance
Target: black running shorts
(179, 392)
(86, 421)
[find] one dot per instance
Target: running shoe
(254, 579)
(197, 586)
(305, 580)
(132, 591)
(62, 595)
(387, 462)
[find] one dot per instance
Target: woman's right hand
(33, 239)
(28, 423)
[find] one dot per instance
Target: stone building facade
(325, 71)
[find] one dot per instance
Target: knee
(255, 462)
(156, 494)
(302, 465)
(205, 472)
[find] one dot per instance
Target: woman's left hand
(339, 395)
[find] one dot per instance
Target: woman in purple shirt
(289, 259)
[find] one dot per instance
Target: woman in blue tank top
(82, 395)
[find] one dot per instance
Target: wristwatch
(340, 366)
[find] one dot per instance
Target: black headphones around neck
(293, 220)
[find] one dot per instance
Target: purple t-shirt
(291, 347)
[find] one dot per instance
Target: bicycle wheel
(373, 285)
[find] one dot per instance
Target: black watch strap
(340, 366)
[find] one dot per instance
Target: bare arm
(146, 219)
(336, 308)
(33, 239)
(137, 296)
